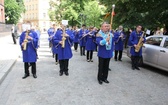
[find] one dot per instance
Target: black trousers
(116, 54)
(89, 55)
(135, 61)
(56, 57)
(103, 68)
(13, 37)
(75, 46)
(64, 65)
(33, 67)
(82, 50)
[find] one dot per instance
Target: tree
(13, 10)
(93, 12)
(149, 13)
(72, 9)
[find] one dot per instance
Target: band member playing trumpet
(119, 43)
(76, 38)
(90, 44)
(51, 33)
(29, 45)
(105, 52)
(54, 49)
(133, 42)
(82, 39)
(63, 41)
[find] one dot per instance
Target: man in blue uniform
(133, 41)
(76, 38)
(29, 54)
(82, 39)
(64, 40)
(105, 52)
(51, 33)
(54, 48)
(90, 44)
(119, 43)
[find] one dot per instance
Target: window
(154, 41)
(44, 15)
(166, 43)
(44, 24)
(32, 7)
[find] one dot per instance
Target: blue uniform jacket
(64, 53)
(54, 46)
(102, 51)
(90, 42)
(134, 39)
(50, 32)
(76, 36)
(82, 40)
(30, 54)
(118, 41)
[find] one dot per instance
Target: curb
(6, 70)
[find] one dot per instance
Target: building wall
(37, 13)
(2, 12)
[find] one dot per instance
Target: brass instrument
(121, 36)
(25, 40)
(63, 38)
(140, 43)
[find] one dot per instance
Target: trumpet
(25, 40)
(121, 36)
(63, 38)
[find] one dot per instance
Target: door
(151, 50)
(163, 55)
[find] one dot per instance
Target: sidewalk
(8, 54)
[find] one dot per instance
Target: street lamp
(111, 23)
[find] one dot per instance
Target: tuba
(63, 38)
(140, 43)
(26, 40)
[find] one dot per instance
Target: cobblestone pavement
(127, 87)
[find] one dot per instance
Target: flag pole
(112, 15)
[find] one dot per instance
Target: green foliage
(149, 13)
(13, 10)
(72, 9)
(93, 12)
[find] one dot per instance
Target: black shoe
(137, 68)
(133, 68)
(34, 75)
(106, 81)
(61, 73)
(109, 69)
(25, 76)
(91, 60)
(84, 55)
(66, 73)
(100, 82)
(115, 59)
(120, 60)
